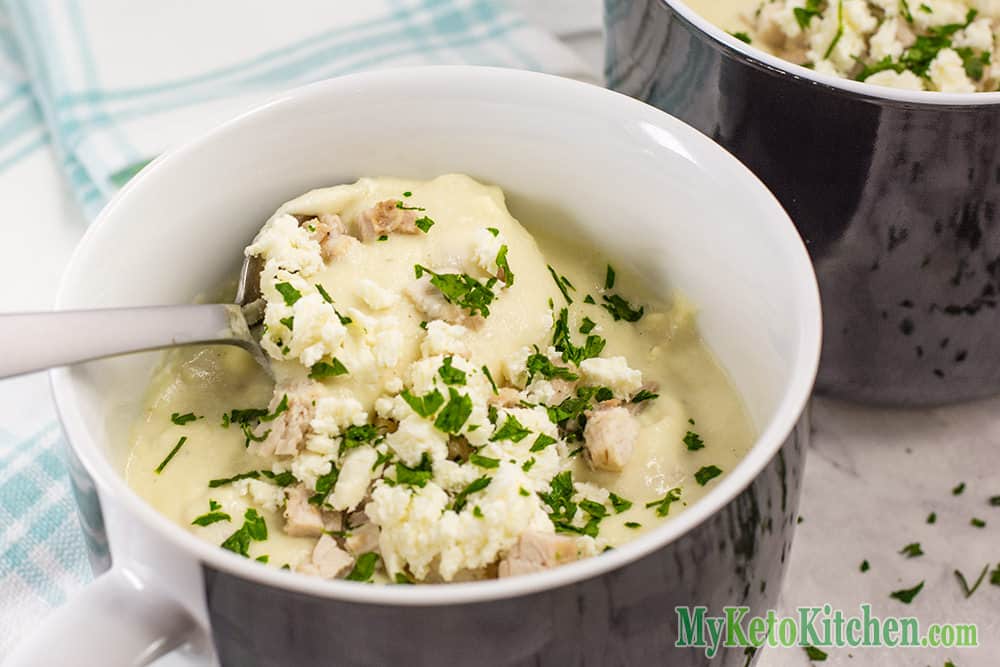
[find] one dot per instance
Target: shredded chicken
(537, 551)
(362, 540)
(609, 437)
(287, 431)
(331, 234)
(386, 217)
(328, 559)
(301, 518)
(506, 397)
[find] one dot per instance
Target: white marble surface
(872, 475)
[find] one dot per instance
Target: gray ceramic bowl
(896, 193)
(574, 160)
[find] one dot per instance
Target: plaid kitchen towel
(90, 90)
(118, 81)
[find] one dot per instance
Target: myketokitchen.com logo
(817, 627)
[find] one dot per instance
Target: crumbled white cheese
(613, 373)
(444, 338)
(376, 296)
(485, 248)
(885, 42)
(307, 467)
(282, 243)
(905, 80)
(264, 494)
(336, 412)
(415, 436)
(947, 72)
(354, 478)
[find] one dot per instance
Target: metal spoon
(37, 341)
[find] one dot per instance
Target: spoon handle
(37, 341)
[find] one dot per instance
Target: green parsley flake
(461, 290)
(912, 550)
(282, 407)
(424, 224)
(407, 194)
(620, 504)
(540, 364)
(489, 376)
(562, 341)
(633, 524)
(706, 474)
(523, 492)
(609, 278)
(840, 30)
(528, 465)
(212, 516)
(322, 369)
(507, 276)
(587, 325)
(957, 491)
(450, 374)
(494, 231)
(541, 442)
(288, 322)
(461, 498)
(978, 523)
(476, 512)
(173, 452)
(263, 559)
(180, 419)
(324, 485)
(384, 237)
(644, 395)
(663, 505)
(742, 36)
(621, 309)
(403, 207)
(906, 595)
(253, 529)
(425, 405)
(288, 293)
(511, 430)
(562, 284)
(589, 299)
(403, 578)
(864, 566)
(455, 413)
(932, 517)
(814, 654)
(364, 568)
(969, 590)
(417, 476)
(804, 15)
(484, 461)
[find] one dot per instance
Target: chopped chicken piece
(330, 232)
(384, 218)
(286, 433)
(610, 436)
(363, 539)
(328, 559)
(333, 521)
(459, 448)
(537, 551)
(563, 389)
(506, 397)
(301, 518)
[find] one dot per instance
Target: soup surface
(939, 45)
(451, 399)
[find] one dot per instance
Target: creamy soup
(452, 399)
(939, 45)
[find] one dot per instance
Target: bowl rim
(498, 82)
(857, 89)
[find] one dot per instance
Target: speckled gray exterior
(898, 203)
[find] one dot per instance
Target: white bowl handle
(118, 620)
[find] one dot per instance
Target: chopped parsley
(912, 550)
(541, 442)
(424, 223)
(508, 275)
(995, 576)
(742, 36)
(323, 369)
(476, 512)
(326, 297)
(494, 231)
(407, 194)
(402, 578)
(932, 517)
(966, 589)
(621, 309)
(594, 509)
(589, 299)
(355, 436)
(173, 452)
(643, 395)
(562, 284)
(483, 461)
(288, 322)
(253, 529)
(475, 486)
(995, 501)
(511, 430)
(663, 504)
(403, 207)
(840, 30)
(906, 595)
(814, 654)
(804, 15)
(559, 499)
(282, 407)
(706, 474)
(450, 374)
(523, 491)
(384, 237)
(263, 559)
(489, 376)
(957, 491)
(633, 524)
(324, 485)
(425, 405)
(212, 516)
(528, 465)
(978, 523)
(416, 476)
(620, 504)
(542, 365)
(180, 419)
(288, 293)
(609, 278)
(364, 568)
(455, 413)
(461, 290)
(587, 325)
(864, 566)
(562, 341)
(693, 441)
